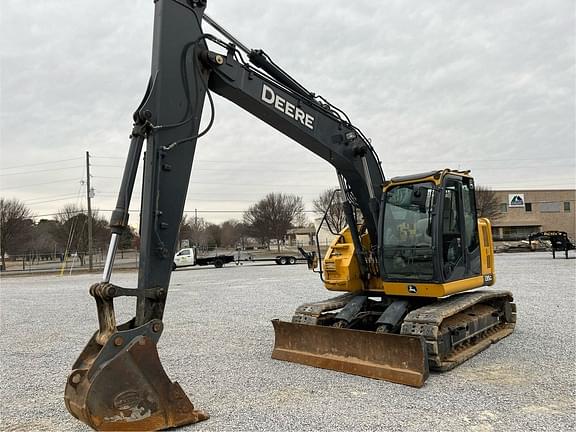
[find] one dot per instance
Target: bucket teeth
(125, 388)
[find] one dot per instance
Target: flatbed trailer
(559, 241)
(278, 259)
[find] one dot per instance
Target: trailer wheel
(283, 261)
(218, 263)
(292, 260)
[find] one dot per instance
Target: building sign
(515, 200)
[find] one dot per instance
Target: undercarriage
(365, 332)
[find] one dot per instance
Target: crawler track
(315, 313)
(454, 329)
(460, 327)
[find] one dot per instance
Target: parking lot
(218, 340)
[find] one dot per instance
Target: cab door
(459, 244)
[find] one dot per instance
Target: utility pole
(88, 197)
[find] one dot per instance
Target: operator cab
(424, 214)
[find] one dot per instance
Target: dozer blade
(122, 386)
(389, 357)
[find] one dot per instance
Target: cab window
(407, 232)
(452, 242)
(470, 223)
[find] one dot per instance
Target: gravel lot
(218, 339)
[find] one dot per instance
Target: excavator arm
(118, 382)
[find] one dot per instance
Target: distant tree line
(198, 232)
(51, 239)
(267, 220)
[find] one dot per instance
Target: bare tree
(334, 210)
(213, 235)
(15, 223)
(101, 233)
(72, 232)
(487, 204)
(68, 212)
(273, 215)
(127, 238)
(231, 233)
(45, 238)
(204, 234)
(192, 229)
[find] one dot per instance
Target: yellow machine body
(341, 270)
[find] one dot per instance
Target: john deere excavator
(412, 249)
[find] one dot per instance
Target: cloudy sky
(481, 85)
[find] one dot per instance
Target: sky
(482, 85)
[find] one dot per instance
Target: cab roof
(437, 175)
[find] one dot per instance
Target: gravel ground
(218, 339)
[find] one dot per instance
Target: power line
(48, 197)
(292, 185)
(39, 163)
(38, 184)
(64, 198)
(276, 170)
(525, 183)
(408, 160)
(510, 159)
(44, 170)
(490, 168)
(296, 185)
(271, 168)
(270, 165)
(557, 187)
(261, 163)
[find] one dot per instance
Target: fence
(60, 262)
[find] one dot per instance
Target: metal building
(525, 211)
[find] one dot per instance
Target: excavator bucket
(122, 386)
(389, 357)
